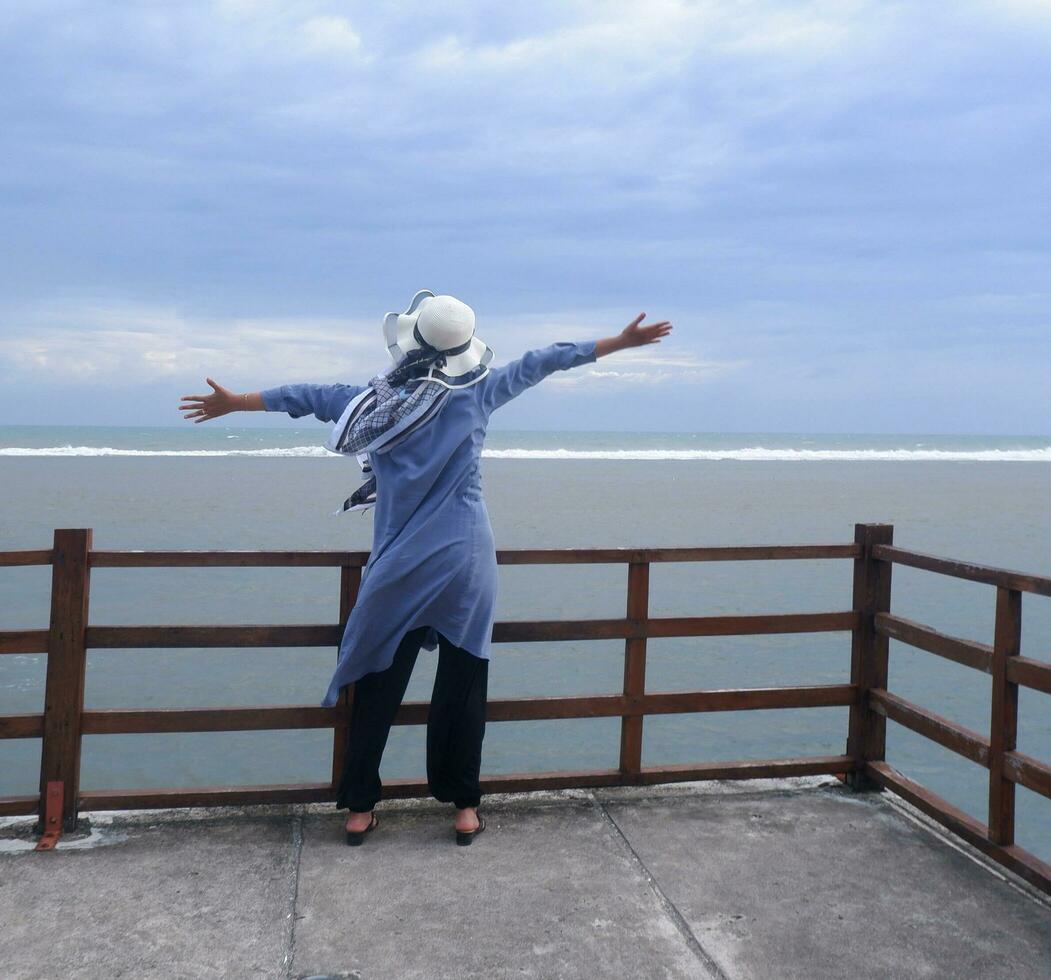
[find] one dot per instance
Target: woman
(431, 577)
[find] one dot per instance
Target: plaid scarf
(387, 412)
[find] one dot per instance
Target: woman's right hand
(636, 335)
(633, 335)
(201, 408)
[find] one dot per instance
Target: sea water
(983, 499)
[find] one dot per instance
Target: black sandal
(357, 837)
(464, 837)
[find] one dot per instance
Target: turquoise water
(975, 498)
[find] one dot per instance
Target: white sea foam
(110, 451)
(749, 454)
(760, 453)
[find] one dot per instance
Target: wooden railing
(998, 753)
(863, 765)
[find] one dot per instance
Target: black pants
(455, 725)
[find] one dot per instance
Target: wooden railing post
(66, 664)
(1003, 732)
(867, 732)
(349, 583)
(634, 672)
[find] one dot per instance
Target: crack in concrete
(293, 891)
(666, 903)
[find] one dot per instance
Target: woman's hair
(417, 364)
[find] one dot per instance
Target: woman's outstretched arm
(324, 402)
(510, 380)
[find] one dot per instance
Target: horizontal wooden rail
(1028, 772)
(781, 552)
(1029, 673)
(823, 765)
(144, 637)
(745, 699)
(500, 783)
(23, 641)
(952, 736)
(21, 726)
(125, 721)
(966, 652)
(544, 556)
(184, 796)
(1023, 863)
(227, 559)
(38, 557)
(1003, 577)
(150, 637)
(19, 806)
(822, 622)
(277, 717)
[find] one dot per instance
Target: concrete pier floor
(764, 879)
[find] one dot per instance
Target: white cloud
(333, 34)
(629, 42)
(134, 345)
(1026, 10)
(637, 367)
(130, 345)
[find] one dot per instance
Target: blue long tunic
(433, 559)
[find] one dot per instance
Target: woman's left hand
(221, 402)
(636, 335)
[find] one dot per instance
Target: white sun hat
(447, 324)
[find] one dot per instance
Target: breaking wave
(747, 454)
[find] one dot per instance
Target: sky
(843, 207)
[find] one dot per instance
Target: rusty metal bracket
(52, 817)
